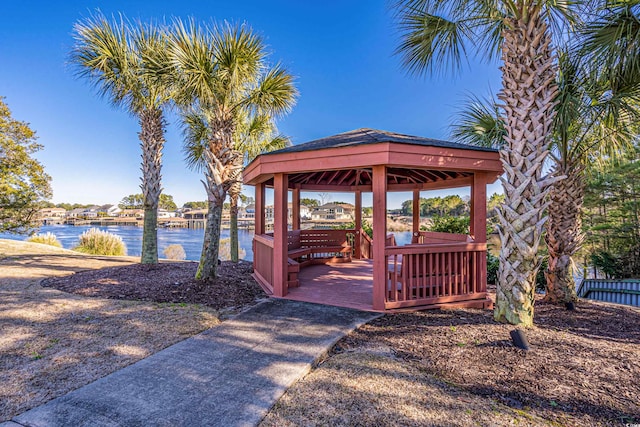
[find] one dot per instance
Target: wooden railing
(420, 275)
(263, 260)
(366, 245)
(430, 237)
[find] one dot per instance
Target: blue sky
(340, 51)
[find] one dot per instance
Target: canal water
(190, 239)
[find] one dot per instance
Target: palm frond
(431, 43)
(156, 73)
(192, 56)
(103, 54)
(613, 40)
(478, 123)
(275, 93)
(196, 133)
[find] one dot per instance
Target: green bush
(175, 252)
(224, 250)
(366, 226)
(45, 239)
(97, 242)
(450, 224)
(493, 262)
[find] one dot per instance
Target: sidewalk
(230, 375)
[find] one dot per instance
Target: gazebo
(435, 270)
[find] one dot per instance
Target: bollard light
(519, 339)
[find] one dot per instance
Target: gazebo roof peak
(364, 136)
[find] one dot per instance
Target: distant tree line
(611, 220)
(136, 201)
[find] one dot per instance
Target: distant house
(163, 213)
(305, 212)
(196, 214)
(268, 213)
(247, 212)
(332, 211)
(131, 213)
(75, 213)
(109, 210)
(52, 213)
(90, 212)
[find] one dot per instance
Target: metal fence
(617, 291)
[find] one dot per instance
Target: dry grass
(52, 342)
(371, 387)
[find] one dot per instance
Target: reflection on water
(190, 239)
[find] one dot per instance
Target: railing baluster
(435, 273)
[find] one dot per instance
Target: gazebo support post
(379, 236)
(295, 206)
(416, 216)
(358, 224)
(259, 215)
(478, 223)
(280, 193)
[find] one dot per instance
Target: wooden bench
(320, 248)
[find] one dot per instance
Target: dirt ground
(459, 368)
(52, 342)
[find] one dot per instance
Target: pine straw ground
(453, 367)
(459, 368)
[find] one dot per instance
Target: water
(190, 239)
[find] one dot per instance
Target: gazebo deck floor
(343, 285)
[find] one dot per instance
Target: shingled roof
(366, 136)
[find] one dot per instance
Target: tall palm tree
(595, 119)
(127, 63)
(254, 135)
(222, 73)
(436, 35)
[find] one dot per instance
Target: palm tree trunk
(528, 91)
(152, 140)
(234, 192)
(233, 231)
(564, 236)
(208, 266)
(219, 157)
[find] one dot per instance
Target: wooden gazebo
(435, 270)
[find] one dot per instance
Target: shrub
(175, 252)
(45, 239)
(97, 242)
(224, 250)
(493, 262)
(450, 224)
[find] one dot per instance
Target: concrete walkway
(229, 375)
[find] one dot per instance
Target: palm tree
(222, 73)
(594, 119)
(126, 63)
(436, 35)
(254, 135)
